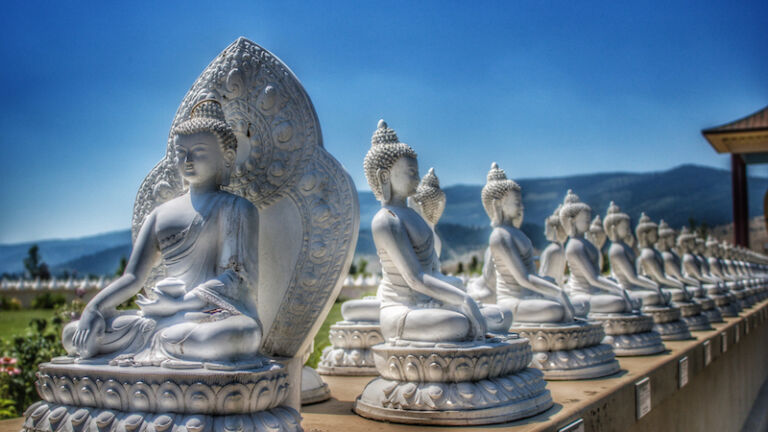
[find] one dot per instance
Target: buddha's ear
(498, 210)
(386, 189)
(229, 156)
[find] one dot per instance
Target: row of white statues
(242, 235)
(575, 324)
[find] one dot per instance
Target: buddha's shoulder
(386, 219)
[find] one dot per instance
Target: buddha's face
(581, 221)
(404, 177)
(550, 231)
(512, 206)
(651, 236)
(199, 158)
(622, 229)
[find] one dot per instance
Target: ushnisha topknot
(208, 116)
(685, 235)
(572, 206)
(430, 197)
(665, 229)
(553, 220)
(645, 225)
(385, 150)
(597, 225)
(613, 216)
(496, 186)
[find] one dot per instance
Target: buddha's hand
(570, 312)
(631, 304)
(162, 305)
(90, 329)
(476, 319)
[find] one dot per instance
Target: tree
(473, 264)
(353, 269)
(34, 264)
(361, 266)
(460, 268)
(121, 267)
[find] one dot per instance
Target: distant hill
(677, 195)
(59, 251)
(104, 262)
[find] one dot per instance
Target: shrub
(48, 300)
(9, 303)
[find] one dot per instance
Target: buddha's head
(666, 236)
(575, 215)
(686, 241)
(616, 224)
(712, 246)
(596, 234)
(390, 166)
(205, 145)
(502, 198)
(429, 198)
(647, 231)
(553, 228)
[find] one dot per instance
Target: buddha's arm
(653, 268)
(508, 255)
(621, 265)
(143, 258)
(581, 261)
(389, 234)
(673, 268)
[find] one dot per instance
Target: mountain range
(680, 195)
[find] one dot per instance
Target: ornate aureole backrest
(308, 209)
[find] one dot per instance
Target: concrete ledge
(718, 396)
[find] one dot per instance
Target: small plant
(9, 303)
(48, 300)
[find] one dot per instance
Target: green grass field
(15, 323)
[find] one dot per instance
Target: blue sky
(545, 88)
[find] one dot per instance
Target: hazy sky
(545, 88)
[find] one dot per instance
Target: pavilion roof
(745, 135)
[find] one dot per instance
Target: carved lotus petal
(104, 419)
(196, 424)
(45, 386)
(65, 391)
(134, 422)
(113, 395)
(170, 397)
(412, 369)
(88, 391)
(57, 415)
(79, 417)
(142, 398)
(466, 390)
(269, 422)
(232, 399)
(39, 412)
(163, 423)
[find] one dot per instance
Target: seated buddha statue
(418, 303)
(692, 264)
(531, 298)
(596, 235)
(429, 202)
(650, 262)
(622, 260)
(589, 292)
(204, 310)
(552, 259)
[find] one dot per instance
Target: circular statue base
(713, 315)
(50, 417)
(350, 351)
(454, 384)
(569, 351)
(313, 388)
(629, 334)
(692, 316)
(102, 397)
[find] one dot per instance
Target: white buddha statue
(710, 287)
(627, 330)
(519, 289)
(205, 308)
(414, 294)
(429, 202)
(650, 263)
(655, 302)
(622, 260)
(589, 291)
(552, 259)
(564, 348)
(596, 235)
(429, 321)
